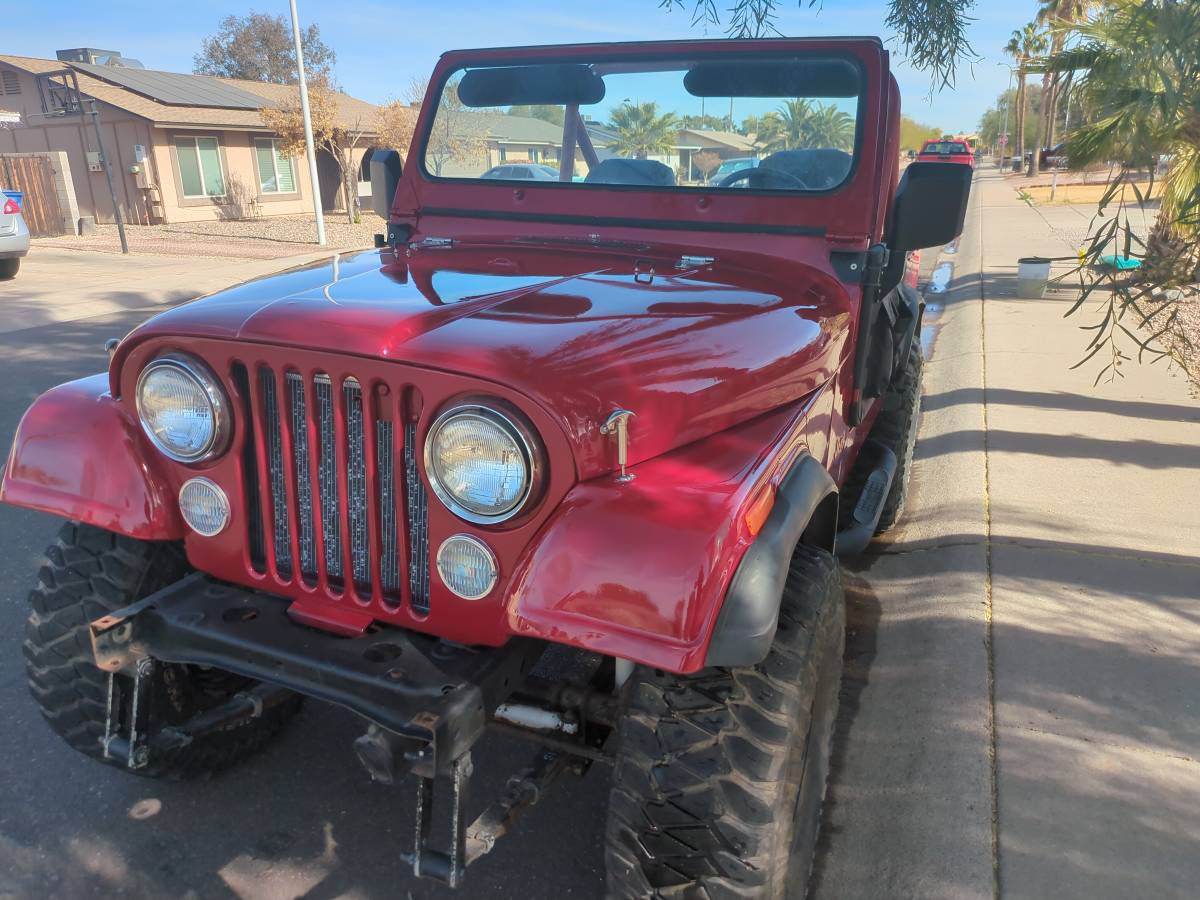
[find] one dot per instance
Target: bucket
(1032, 274)
(16, 196)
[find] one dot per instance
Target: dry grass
(1080, 193)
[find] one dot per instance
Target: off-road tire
(9, 267)
(720, 776)
(896, 428)
(88, 573)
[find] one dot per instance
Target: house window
(200, 166)
(276, 174)
(503, 154)
(534, 154)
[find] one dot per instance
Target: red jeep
(606, 425)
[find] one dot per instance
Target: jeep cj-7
(579, 410)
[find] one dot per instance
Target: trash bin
(18, 196)
(1032, 274)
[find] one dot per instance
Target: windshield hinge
(694, 262)
(432, 243)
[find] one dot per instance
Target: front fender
(641, 570)
(79, 454)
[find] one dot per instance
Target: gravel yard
(265, 238)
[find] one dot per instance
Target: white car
(14, 238)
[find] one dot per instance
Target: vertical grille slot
(417, 510)
(280, 520)
(389, 534)
(256, 539)
(304, 498)
(327, 477)
(356, 486)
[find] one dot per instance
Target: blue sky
(381, 46)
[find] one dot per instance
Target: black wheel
(720, 776)
(9, 267)
(896, 428)
(88, 573)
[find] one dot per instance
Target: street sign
(1004, 140)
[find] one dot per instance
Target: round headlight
(204, 506)
(182, 408)
(480, 463)
(467, 566)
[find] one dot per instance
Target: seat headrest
(618, 170)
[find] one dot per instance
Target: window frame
(195, 140)
(275, 157)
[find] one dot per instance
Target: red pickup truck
(947, 151)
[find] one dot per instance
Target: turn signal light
(10, 207)
(758, 510)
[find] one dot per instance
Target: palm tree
(793, 120)
(1063, 17)
(641, 131)
(1141, 78)
(767, 131)
(829, 126)
(1028, 42)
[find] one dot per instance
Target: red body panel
(80, 454)
(733, 368)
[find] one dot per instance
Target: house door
(329, 177)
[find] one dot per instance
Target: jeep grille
(310, 432)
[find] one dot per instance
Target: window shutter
(266, 169)
(283, 165)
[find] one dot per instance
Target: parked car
(14, 237)
(947, 151)
(1050, 157)
(627, 419)
(522, 172)
(731, 166)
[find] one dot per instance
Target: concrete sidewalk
(1021, 707)
(1093, 534)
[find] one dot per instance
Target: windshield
(775, 124)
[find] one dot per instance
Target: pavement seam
(987, 584)
(983, 540)
(1113, 744)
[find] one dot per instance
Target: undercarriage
(426, 701)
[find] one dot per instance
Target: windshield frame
(573, 54)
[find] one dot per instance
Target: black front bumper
(412, 684)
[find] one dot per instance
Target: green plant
(1138, 68)
(641, 131)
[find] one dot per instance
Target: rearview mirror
(385, 175)
(930, 205)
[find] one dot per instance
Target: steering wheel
(743, 174)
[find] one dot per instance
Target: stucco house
(182, 147)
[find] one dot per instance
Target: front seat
(618, 170)
(821, 168)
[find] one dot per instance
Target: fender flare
(805, 509)
(79, 454)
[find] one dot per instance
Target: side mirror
(930, 206)
(385, 175)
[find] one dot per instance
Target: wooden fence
(34, 177)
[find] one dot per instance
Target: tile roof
(727, 138)
(350, 109)
(524, 128)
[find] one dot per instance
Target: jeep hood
(691, 347)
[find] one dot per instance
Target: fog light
(204, 506)
(467, 567)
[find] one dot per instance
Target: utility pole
(308, 133)
(112, 191)
(1007, 104)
